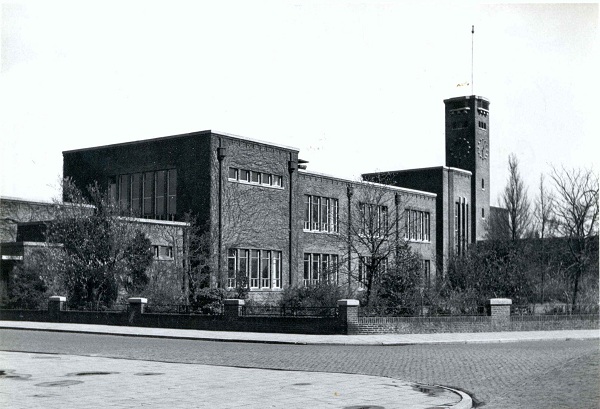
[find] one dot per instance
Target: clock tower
(468, 148)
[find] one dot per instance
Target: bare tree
(577, 215)
(376, 236)
(516, 202)
(545, 226)
(543, 212)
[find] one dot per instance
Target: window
(244, 175)
(426, 273)
(417, 225)
(136, 193)
(261, 267)
(124, 191)
(482, 184)
(373, 219)
(254, 177)
(461, 225)
(482, 125)
(320, 267)
(378, 266)
(321, 214)
(159, 193)
(482, 213)
(163, 252)
(148, 194)
(172, 192)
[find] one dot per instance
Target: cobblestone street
(535, 374)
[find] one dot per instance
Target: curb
(257, 340)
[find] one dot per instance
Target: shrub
(319, 295)
(209, 300)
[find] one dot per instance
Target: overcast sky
(356, 86)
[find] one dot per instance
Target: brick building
(280, 225)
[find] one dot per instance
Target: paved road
(544, 374)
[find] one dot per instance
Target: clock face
(461, 148)
(483, 149)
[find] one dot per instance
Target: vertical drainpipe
(349, 193)
(397, 204)
(292, 166)
(221, 154)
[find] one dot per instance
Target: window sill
(256, 184)
(321, 232)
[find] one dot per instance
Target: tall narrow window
(265, 269)
(124, 192)
(231, 268)
(254, 268)
(172, 194)
(148, 194)
(334, 216)
(112, 190)
(324, 214)
(136, 190)
(307, 208)
(316, 266)
(160, 193)
(276, 269)
(427, 273)
(306, 269)
(316, 205)
(243, 260)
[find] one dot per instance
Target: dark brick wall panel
(288, 325)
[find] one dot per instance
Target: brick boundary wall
(135, 316)
(348, 320)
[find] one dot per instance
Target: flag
(463, 84)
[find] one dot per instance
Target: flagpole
(472, 35)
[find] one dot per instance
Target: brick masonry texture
(348, 322)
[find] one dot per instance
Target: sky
(356, 86)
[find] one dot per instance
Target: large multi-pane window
(379, 267)
(261, 268)
(417, 225)
(321, 214)
(374, 220)
(255, 178)
(320, 267)
(149, 194)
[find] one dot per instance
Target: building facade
(272, 224)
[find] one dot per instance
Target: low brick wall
(430, 325)
(422, 325)
(553, 322)
(347, 322)
(288, 325)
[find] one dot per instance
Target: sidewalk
(272, 338)
(43, 380)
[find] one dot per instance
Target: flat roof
(191, 134)
(466, 97)
(443, 167)
(364, 182)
